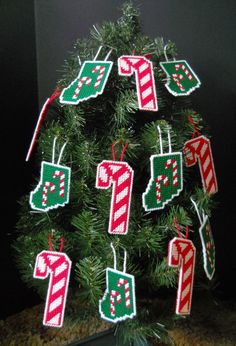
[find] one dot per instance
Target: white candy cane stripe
(62, 182)
(124, 282)
(113, 295)
(101, 70)
(47, 185)
(158, 185)
(186, 71)
(181, 254)
(87, 81)
(176, 77)
(120, 174)
(173, 162)
(145, 83)
(47, 262)
(200, 148)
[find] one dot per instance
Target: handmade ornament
(145, 83)
(181, 254)
(166, 180)
(118, 302)
(90, 82)
(120, 174)
(57, 265)
(181, 80)
(208, 246)
(53, 188)
(199, 149)
(40, 120)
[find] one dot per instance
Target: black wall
(35, 40)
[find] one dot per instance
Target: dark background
(35, 40)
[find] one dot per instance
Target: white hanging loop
(125, 260)
(197, 210)
(114, 255)
(108, 54)
(61, 152)
(169, 140)
(166, 57)
(53, 149)
(99, 49)
(79, 60)
(160, 139)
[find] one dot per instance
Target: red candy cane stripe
(101, 70)
(200, 148)
(121, 175)
(47, 185)
(62, 182)
(58, 265)
(113, 295)
(87, 81)
(181, 253)
(124, 282)
(145, 82)
(158, 185)
(173, 162)
(176, 77)
(186, 71)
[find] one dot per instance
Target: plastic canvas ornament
(181, 79)
(208, 245)
(120, 174)
(199, 149)
(166, 180)
(90, 82)
(145, 83)
(57, 265)
(181, 254)
(53, 188)
(118, 302)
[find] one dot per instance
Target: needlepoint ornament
(89, 83)
(118, 302)
(57, 265)
(53, 188)
(166, 180)
(181, 79)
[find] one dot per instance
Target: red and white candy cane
(62, 181)
(173, 162)
(86, 80)
(176, 77)
(47, 186)
(123, 282)
(58, 265)
(199, 148)
(145, 82)
(185, 70)
(113, 295)
(121, 175)
(101, 70)
(158, 185)
(181, 254)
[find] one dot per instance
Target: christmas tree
(122, 243)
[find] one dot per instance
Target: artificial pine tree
(90, 130)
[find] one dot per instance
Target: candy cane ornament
(120, 174)
(182, 83)
(89, 83)
(199, 149)
(58, 266)
(145, 83)
(181, 254)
